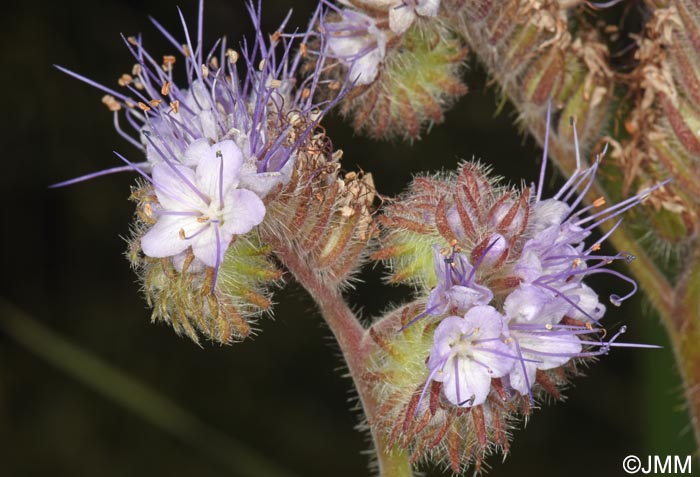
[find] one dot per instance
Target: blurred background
(88, 386)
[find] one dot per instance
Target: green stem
(356, 349)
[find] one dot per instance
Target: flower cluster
(403, 62)
(221, 148)
(507, 316)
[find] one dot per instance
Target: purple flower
(467, 353)
(202, 208)
(357, 42)
(456, 289)
(267, 111)
(531, 315)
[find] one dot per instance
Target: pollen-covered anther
(168, 62)
(155, 102)
(136, 70)
(175, 107)
(165, 89)
(232, 56)
(143, 106)
(599, 202)
(125, 80)
(111, 103)
(205, 71)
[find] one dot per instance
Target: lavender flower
(358, 43)
(467, 352)
(509, 317)
(549, 317)
(220, 151)
(218, 144)
(456, 289)
(203, 208)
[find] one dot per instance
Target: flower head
(503, 316)
(220, 146)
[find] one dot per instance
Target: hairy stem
(350, 336)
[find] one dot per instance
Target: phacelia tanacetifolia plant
(240, 183)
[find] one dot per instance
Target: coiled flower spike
(219, 149)
(503, 316)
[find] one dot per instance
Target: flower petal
(174, 184)
(401, 17)
(164, 239)
(244, 210)
(196, 151)
(219, 170)
(205, 245)
(467, 383)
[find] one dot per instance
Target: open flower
(358, 43)
(202, 208)
(467, 352)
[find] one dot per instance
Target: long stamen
(543, 166)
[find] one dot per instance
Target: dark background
(281, 396)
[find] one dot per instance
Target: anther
(144, 106)
(599, 202)
(275, 36)
(125, 80)
(232, 56)
(136, 70)
(155, 102)
(175, 107)
(595, 247)
(205, 71)
(132, 40)
(186, 50)
(305, 93)
(261, 65)
(168, 62)
(275, 83)
(182, 234)
(303, 50)
(111, 103)
(165, 89)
